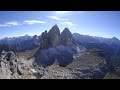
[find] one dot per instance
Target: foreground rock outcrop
(13, 68)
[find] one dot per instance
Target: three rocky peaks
(54, 37)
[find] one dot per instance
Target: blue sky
(95, 23)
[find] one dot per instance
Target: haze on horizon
(95, 23)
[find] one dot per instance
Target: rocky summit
(66, 37)
(54, 38)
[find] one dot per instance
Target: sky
(95, 23)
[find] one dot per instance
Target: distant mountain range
(111, 47)
(20, 43)
(27, 42)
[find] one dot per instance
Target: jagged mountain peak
(114, 38)
(66, 37)
(55, 27)
(66, 30)
(54, 36)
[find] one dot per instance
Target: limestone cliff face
(55, 45)
(44, 41)
(54, 36)
(66, 37)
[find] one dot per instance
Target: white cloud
(12, 23)
(15, 23)
(31, 22)
(67, 24)
(70, 23)
(3, 25)
(73, 27)
(54, 17)
(57, 18)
